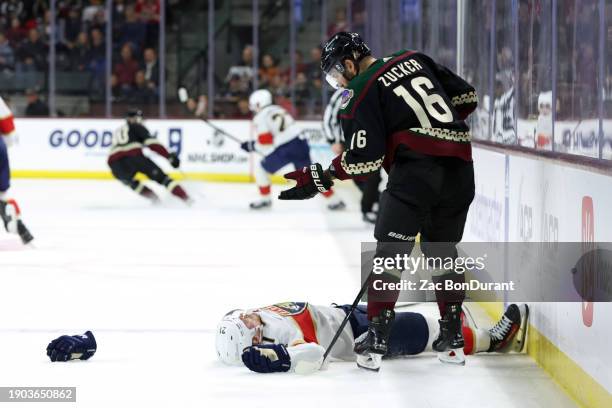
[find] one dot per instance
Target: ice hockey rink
(152, 283)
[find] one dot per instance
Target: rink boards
(522, 198)
(78, 148)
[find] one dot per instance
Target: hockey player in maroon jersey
(405, 113)
(126, 159)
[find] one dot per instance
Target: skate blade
(455, 356)
(370, 362)
(521, 336)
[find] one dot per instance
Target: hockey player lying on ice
(293, 336)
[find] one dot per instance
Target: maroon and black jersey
(129, 140)
(404, 101)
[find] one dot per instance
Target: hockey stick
(362, 291)
(183, 96)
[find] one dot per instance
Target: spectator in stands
(302, 90)
(340, 22)
(7, 56)
(35, 106)
(126, 69)
(235, 89)
(72, 26)
(133, 30)
(97, 54)
(151, 67)
(80, 53)
(16, 33)
(11, 9)
(199, 108)
(119, 7)
(278, 86)
(148, 13)
(243, 111)
(89, 12)
(142, 92)
(243, 70)
(268, 70)
(33, 53)
(313, 67)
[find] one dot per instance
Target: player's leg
(262, 179)
(155, 173)
(124, 170)
(270, 164)
(9, 210)
(370, 196)
(396, 229)
(409, 334)
(441, 231)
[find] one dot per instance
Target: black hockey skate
(9, 212)
(449, 343)
(337, 206)
(371, 346)
(260, 204)
(509, 333)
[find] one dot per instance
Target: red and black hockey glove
(310, 181)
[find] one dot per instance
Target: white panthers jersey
(7, 127)
(307, 331)
(273, 126)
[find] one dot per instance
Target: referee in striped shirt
(333, 133)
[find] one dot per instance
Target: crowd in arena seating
(81, 43)
(306, 86)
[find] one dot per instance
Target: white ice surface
(151, 283)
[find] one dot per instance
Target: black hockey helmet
(134, 115)
(343, 46)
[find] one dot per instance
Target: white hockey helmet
(232, 337)
(259, 100)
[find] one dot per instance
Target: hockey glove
(248, 146)
(267, 358)
(65, 348)
(310, 181)
(174, 160)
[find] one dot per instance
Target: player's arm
(264, 136)
(365, 134)
(146, 138)
(7, 124)
(364, 154)
(463, 96)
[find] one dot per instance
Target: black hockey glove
(248, 146)
(64, 348)
(310, 181)
(267, 358)
(174, 160)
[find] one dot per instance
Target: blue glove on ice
(64, 348)
(267, 358)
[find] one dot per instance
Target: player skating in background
(279, 141)
(332, 129)
(9, 210)
(293, 336)
(126, 159)
(406, 113)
